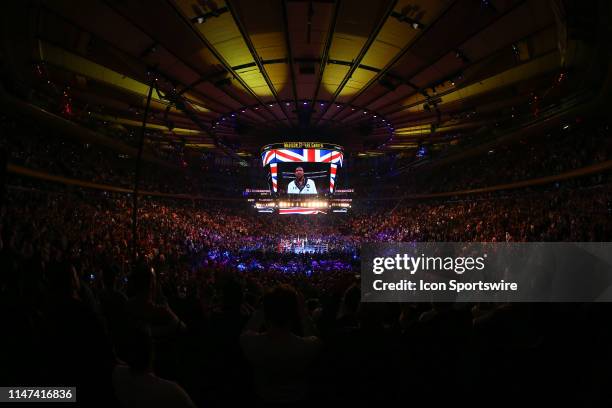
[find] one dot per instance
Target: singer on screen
(301, 184)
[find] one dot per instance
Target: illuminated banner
(302, 145)
(256, 190)
(300, 210)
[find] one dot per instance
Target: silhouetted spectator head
(137, 348)
(352, 298)
(63, 280)
(232, 295)
(9, 275)
(143, 281)
(312, 305)
(442, 306)
(281, 306)
(371, 315)
(110, 276)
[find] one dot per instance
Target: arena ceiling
(375, 76)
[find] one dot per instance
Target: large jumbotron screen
(302, 169)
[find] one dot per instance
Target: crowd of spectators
(559, 215)
(572, 146)
(211, 314)
(201, 308)
(46, 150)
(92, 117)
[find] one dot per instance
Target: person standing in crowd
(136, 384)
(280, 357)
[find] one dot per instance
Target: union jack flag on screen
(333, 170)
(302, 155)
(274, 175)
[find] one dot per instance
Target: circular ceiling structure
(373, 76)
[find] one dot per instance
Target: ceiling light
(403, 18)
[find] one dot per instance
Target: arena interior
(186, 187)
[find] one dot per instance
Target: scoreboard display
(302, 168)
